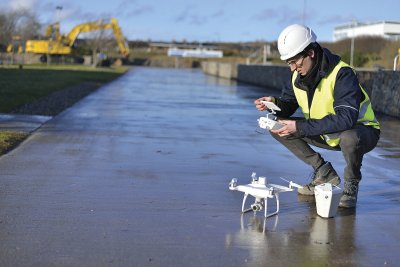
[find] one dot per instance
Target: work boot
(324, 174)
(349, 196)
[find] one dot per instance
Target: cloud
(129, 8)
(217, 14)
(189, 16)
(22, 4)
(281, 15)
(336, 19)
(140, 10)
(181, 17)
(49, 11)
(266, 14)
(124, 4)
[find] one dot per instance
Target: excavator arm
(100, 25)
(121, 41)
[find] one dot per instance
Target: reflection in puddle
(300, 242)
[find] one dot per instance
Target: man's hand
(259, 105)
(288, 128)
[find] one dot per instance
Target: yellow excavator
(15, 46)
(58, 44)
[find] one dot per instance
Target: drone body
(261, 191)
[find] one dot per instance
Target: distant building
(385, 29)
(198, 52)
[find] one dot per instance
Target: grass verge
(46, 90)
(23, 86)
(9, 140)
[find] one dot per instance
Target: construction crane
(58, 44)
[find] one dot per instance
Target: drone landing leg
(244, 203)
(277, 207)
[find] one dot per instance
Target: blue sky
(211, 20)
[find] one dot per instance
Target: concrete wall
(7, 58)
(224, 70)
(383, 87)
(265, 75)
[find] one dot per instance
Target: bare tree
(28, 26)
(94, 40)
(18, 25)
(7, 29)
(102, 43)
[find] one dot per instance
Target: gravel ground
(58, 101)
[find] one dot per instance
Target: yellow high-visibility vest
(322, 103)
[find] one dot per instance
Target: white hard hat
(294, 39)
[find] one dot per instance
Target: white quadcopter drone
(261, 191)
(270, 120)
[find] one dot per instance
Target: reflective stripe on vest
(322, 103)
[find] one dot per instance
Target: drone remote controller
(270, 122)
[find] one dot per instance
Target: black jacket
(347, 99)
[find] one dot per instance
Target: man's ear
(311, 53)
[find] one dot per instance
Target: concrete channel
(137, 174)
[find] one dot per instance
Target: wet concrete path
(137, 174)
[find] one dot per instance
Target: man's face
(302, 63)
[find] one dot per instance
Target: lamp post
(57, 25)
(58, 12)
(353, 25)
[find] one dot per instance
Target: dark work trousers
(354, 144)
